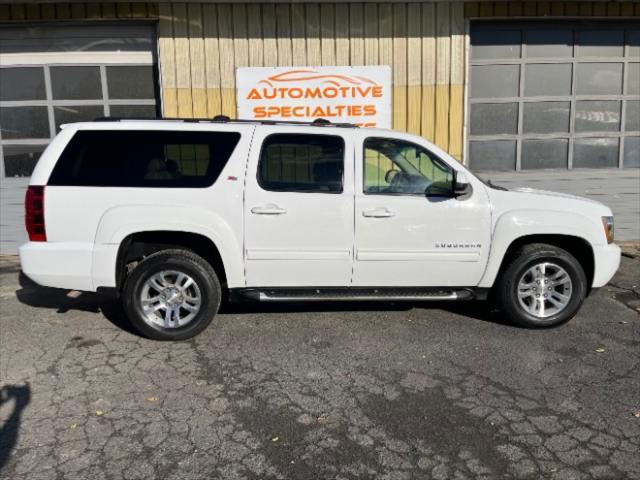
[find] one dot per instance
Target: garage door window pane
(494, 81)
(493, 155)
(22, 83)
(133, 111)
(546, 117)
(130, 82)
(24, 122)
(20, 160)
(549, 43)
(544, 153)
(73, 114)
(632, 116)
(595, 152)
(633, 79)
(631, 152)
(599, 79)
(597, 116)
(547, 79)
(494, 118)
(496, 44)
(76, 83)
(601, 43)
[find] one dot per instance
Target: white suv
(176, 214)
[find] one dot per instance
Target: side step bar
(358, 294)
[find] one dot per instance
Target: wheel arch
(139, 245)
(577, 246)
(216, 237)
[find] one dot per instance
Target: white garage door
(554, 95)
(51, 75)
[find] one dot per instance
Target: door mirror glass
(456, 186)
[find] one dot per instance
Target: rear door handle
(382, 212)
(268, 210)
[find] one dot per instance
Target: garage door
(554, 95)
(55, 75)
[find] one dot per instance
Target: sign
(360, 95)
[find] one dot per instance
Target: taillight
(34, 214)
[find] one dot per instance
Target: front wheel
(541, 286)
(171, 295)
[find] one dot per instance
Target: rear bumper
(607, 261)
(60, 265)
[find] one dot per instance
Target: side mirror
(440, 189)
(461, 185)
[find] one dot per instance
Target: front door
(299, 208)
(405, 238)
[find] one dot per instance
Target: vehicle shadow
(58, 299)
(474, 309)
(9, 429)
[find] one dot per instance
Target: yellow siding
(427, 61)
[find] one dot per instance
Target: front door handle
(270, 209)
(381, 212)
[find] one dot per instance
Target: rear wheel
(541, 286)
(172, 295)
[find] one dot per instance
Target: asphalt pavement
(339, 391)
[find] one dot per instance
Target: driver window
(394, 166)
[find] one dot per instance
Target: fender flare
(517, 224)
(118, 223)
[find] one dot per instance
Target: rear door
(299, 207)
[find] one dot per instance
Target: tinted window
(301, 163)
(144, 159)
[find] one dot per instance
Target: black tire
(506, 286)
(184, 261)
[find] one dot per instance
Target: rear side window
(302, 163)
(105, 158)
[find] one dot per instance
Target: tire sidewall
(206, 281)
(515, 272)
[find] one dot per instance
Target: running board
(357, 294)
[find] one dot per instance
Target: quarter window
(397, 167)
(302, 163)
(144, 159)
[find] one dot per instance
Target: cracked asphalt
(385, 391)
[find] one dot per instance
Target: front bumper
(607, 261)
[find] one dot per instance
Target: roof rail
(318, 122)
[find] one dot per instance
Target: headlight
(607, 223)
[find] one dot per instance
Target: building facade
(499, 85)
